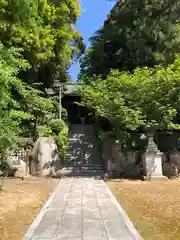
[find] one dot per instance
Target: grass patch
(153, 207)
(20, 202)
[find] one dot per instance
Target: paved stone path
(82, 209)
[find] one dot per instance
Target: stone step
(91, 151)
(73, 140)
(75, 172)
(83, 144)
(93, 157)
(92, 161)
(81, 169)
(86, 152)
(76, 160)
(86, 166)
(69, 154)
(90, 144)
(72, 160)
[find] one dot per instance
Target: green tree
(45, 32)
(149, 98)
(10, 65)
(31, 107)
(136, 33)
(38, 43)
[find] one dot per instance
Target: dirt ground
(20, 202)
(153, 207)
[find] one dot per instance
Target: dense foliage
(136, 33)
(147, 97)
(57, 129)
(13, 112)
(60, 132)
(38, 43)
(45, 32)
(10, 65)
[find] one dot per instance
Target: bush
(44, 131)
(59, 131)
(57, 125)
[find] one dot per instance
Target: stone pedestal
(152, 162)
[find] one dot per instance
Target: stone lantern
(152, 162)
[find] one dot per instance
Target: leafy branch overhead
(148, 97)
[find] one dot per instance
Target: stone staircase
(83, 157)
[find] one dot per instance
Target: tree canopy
(13, 112)
(45, 31)
(38, 43)
(147, 97)
(136, 33)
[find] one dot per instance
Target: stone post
(152, 162)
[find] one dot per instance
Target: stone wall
(125, 164)
(171, 164)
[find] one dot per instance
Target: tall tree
(39, 42)
(45, 32)
(136, 33)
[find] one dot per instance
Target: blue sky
(93, 14)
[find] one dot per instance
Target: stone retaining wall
(171, 164)
(112, 152)
(126, 163)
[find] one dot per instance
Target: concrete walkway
(82, 209)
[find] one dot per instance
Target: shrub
(57, 125)
(59, 131)
(44, 131)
